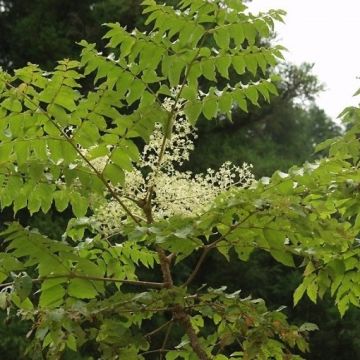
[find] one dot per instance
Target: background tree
(53, 28)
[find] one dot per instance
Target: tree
(53, 28)
(134, 210)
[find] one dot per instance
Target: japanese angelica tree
(111, 156)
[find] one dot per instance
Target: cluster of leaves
(83, 290)
(274, 136)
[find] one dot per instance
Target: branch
(170, 119)
(198, 265)
(155, 351)
(168, 331)
(151, 333)
(184, 319)
(93, 278)
(165, 268)
(211, 246)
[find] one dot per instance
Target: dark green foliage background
(276, 136)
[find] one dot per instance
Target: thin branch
(155, 351)
(92, 278)
(151, 333)
(211, 246)
(172, 113)
(166, 338)
(155, 310)
(129, 282)
(198, 265)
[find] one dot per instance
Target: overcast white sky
(326, 33)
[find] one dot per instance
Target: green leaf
(175, 354)
(79, 204)
(239, 97)
(210, 107)
(3, 300)
(71, 342)
(221, 357)
(136, 91)
(34, 202)
(114, 173)
(45, 193)
(283, 257)
(22, 151)
(150, 76)
(208, 69)
(262, 63)
(57, 115)
(194, 73)
(126, 46)
(147, 99)
(343, 305)
(40, 149)
(262, 28)
(123, 83)
(49, 93)
(252, 94)
(275, 238)
(250, 33)
(308, 327)
(237, 33)
(88, 134)
(309, 269)
(264, 91)
(193, 110)
(51, 296)
(189, 93)
(271, 87)
(66, 98)
(164, 89)
(222, 64)
(312, 291)
(12, 104)
(6, 150)
(69, 154)
(222, 38)
(239, 64)
(251, 63)
(299, 293)
(324, 145)
(23, 286)
(225, 102)
(244, 252)
(176, 68)
(121, 158)
(82, 289)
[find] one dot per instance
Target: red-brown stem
(165, 268)
(184, 319)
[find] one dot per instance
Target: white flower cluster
(177, 148)
(222, 5)
(173, 192)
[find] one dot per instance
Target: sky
(325, 33)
